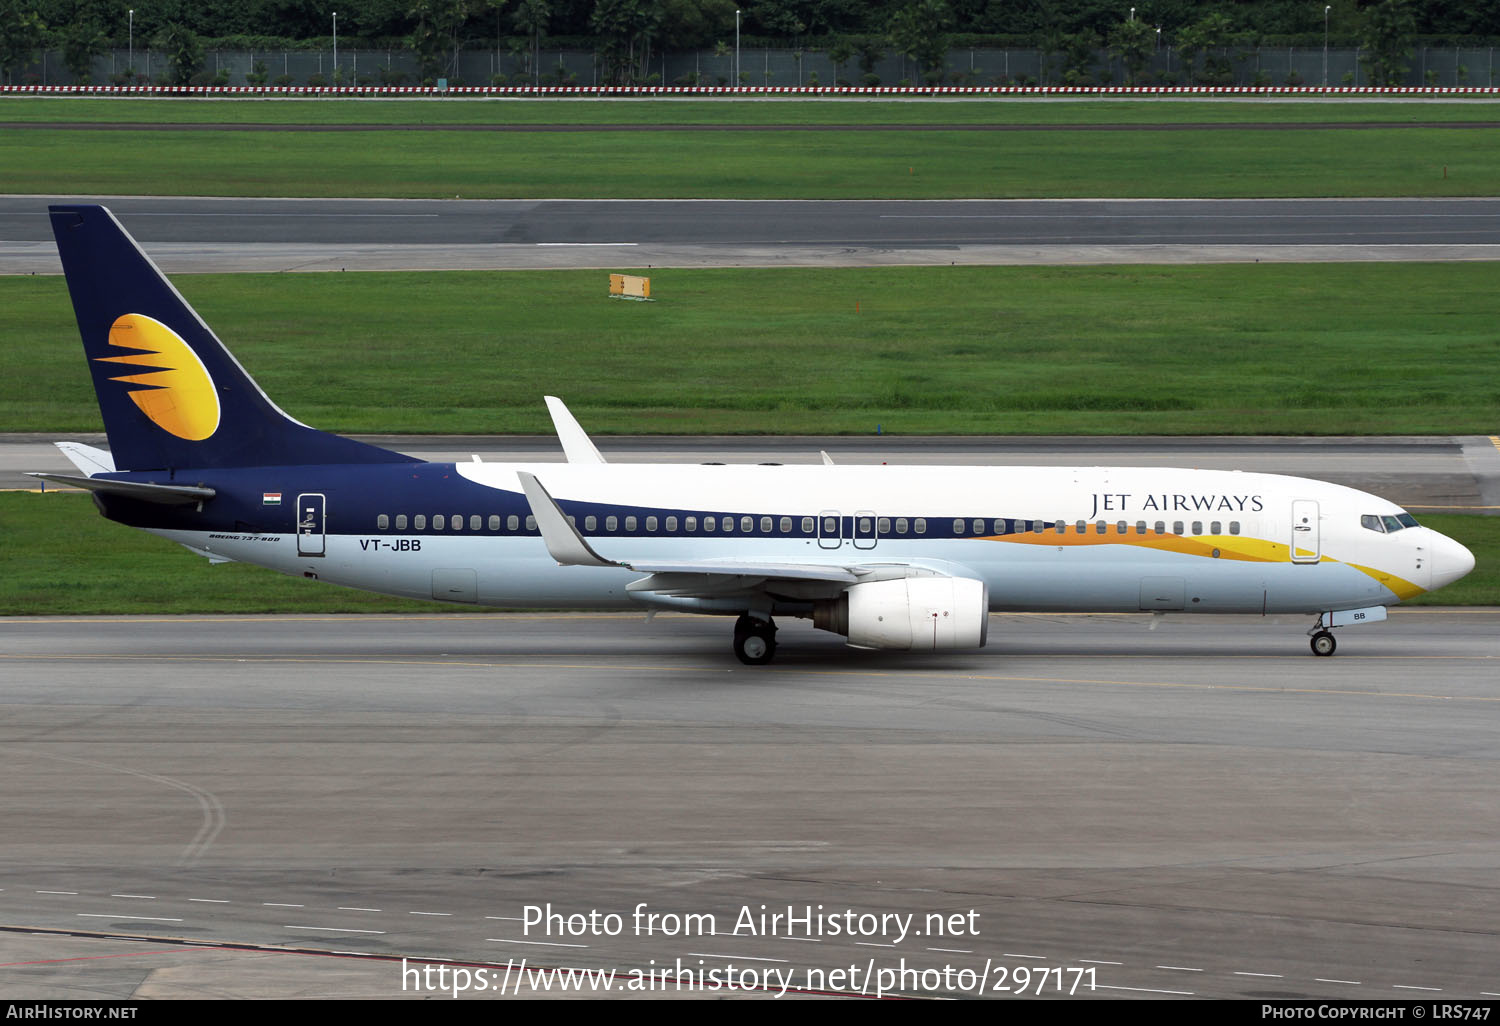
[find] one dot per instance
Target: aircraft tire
(1323, 644)
(754, 641)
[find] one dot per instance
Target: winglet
(575, 441)
(827, 459)
(563, 540)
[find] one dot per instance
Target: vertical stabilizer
(171, 395)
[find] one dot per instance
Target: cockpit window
(1370, 522)
(1407, 520)
(1392, 525)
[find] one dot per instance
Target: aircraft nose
(1450, 560)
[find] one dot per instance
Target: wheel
(754, 641)
(1323, 644)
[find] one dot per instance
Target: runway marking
(127, 916)
(1144, 990)
(547, 944)
(330, 929)
(147, 897)
(1352, 983)
(1402, 986)
(348, 908)
(57, 892)
(1180, 968)
(1098, 961)
(869, 944)
(742, 958)
(962, 951)
(280, 904)
(1495, 441)
(590, 244)
(1271, 976)
(429, 913)
(212, 901)
(1013, 954)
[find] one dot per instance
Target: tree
(1133, 42)
(438, 24)
(184, 52)
(1387, 41)
(1080, 52)
(21, 34)
(628, 28)
(82, 42)
(919, 31)
(1209, 36)
(840, 53)
(531, 17)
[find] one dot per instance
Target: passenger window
(728, 525)
(457, 520)
(400, 521)
(692, 524)
(572, 520)
(999, 526)
(630, 523)
(1197, 527)
(900, 525)
(531, 523)
(382, 522)
(1100, 527)
(958, 527)
(1215, 528)
(512, 523)
(807, 525)
(1234, 527)
(709, 524)
(671, 525)
(1037, 527)
(1140, 527)
(591, 523)
(1161, 527)
(1060, 527)
(786, 525)
(475, 522)
(1177, 527)
(919, 525)
(437, 522)
(747, 525)
(651, 524)
(1081, 527)
(494, 521)
(610, 523)
(830, 527)
(419, 522)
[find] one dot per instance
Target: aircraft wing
(570, 548)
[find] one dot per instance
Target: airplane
(896, 558)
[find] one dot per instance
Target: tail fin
(171, 395)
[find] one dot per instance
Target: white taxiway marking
(1180, 968)
(952, 951)
(57, 892)
(1402, 986)
(742, 958)
(1352, 983)
(588, 243)
(1145, 990)
(429, 913)
(549, 944)
(350, 908)
(147, 897)
(1270, 976)
(211, 901)
(280, 904)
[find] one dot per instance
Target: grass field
(1229, 349)
(60, 557)
(777, 111)
(765, 163)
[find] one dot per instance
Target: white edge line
(127, 916)
(1144, 990)
(550, 944)
(742, 958)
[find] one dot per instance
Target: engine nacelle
(920, 614)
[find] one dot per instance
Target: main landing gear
(1323, 643)
(754, 640)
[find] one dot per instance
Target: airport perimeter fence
(1254, 67)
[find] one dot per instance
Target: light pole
(131, 62)
(335, 46)
(1326, 9)
(736, 49)
(1132, 14)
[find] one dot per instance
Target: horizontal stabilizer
(89, 460)
(163, 494)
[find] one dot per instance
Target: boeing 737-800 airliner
(889, 557)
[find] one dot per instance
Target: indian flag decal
(270, 499)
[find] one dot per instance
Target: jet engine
(919, 614)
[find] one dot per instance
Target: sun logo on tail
(173, 387)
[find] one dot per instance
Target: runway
(1450, 474)
(202, 234)
(1203, 809)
